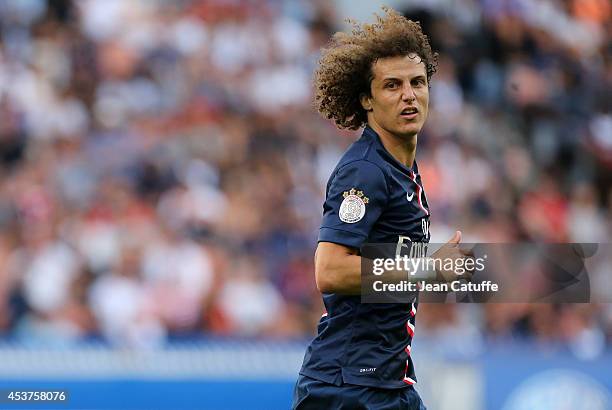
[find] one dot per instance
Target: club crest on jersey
(353, 206)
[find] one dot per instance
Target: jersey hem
(347, 378)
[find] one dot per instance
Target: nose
(408, 94)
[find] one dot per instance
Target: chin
(408, 132)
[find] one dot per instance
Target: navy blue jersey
(371, 198)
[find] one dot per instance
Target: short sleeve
(356, 197)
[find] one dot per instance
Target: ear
(366, 101)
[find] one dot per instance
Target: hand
(451, 250)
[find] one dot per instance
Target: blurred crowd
(162, 170)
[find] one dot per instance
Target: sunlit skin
(399, 83)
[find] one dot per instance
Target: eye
(391, 85)
(419, 82)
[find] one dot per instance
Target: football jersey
(370, 198)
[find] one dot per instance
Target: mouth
(409, 113)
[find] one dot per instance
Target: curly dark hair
(345, 67)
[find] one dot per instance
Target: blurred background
(162, 175)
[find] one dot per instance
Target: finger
(456, 238)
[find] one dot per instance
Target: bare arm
(337, 269)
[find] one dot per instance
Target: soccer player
(375, 77)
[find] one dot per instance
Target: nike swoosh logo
(409, 197)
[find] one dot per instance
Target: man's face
(400, 95)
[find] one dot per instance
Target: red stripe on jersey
(419, 190)
(409, 381)
(410, 328)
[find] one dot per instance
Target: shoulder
(362, 175)
(366, 167)
(362, 154)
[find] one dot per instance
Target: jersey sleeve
(356, 197)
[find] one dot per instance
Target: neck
(402, 148)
